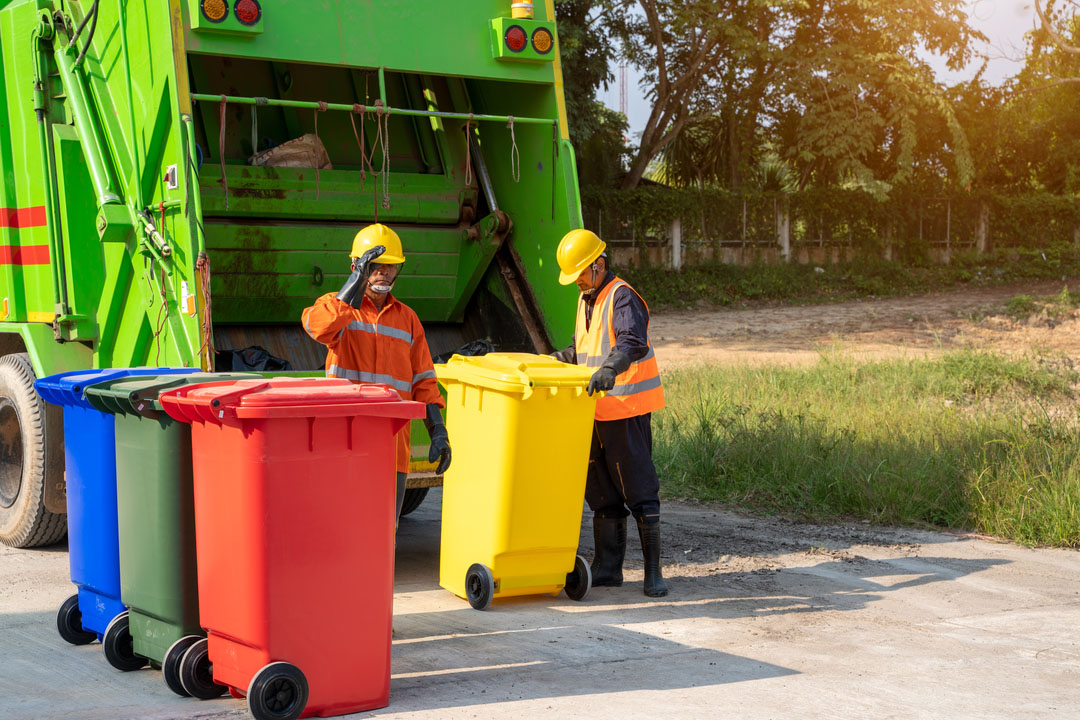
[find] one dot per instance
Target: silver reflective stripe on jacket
(360, 376)
(380, 330)
(634, 388)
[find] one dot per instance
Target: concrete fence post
(676, 243)
(783, 228)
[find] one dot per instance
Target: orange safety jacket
(385, 346)
(637, 391)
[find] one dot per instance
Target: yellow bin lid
(513, 372)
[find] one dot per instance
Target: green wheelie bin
(156, 519)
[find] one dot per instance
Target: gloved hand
(440, 439)
(569, 355)
(352, 292)
(616, 363)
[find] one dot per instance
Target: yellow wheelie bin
(521, 427)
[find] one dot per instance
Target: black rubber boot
(609, 536)
(650, 548)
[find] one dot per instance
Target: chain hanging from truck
(221, 149)
(468, 151)
(515, 156)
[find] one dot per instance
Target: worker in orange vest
(374, 337)
(612, 335)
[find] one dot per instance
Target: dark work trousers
(400, 496)
(622, 479)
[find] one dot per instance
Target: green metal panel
(279, 238)
(444, 38)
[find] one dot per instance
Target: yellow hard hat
(577, 250)
(379, 234)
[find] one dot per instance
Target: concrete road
(766, 619)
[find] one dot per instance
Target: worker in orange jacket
(374, 337)
(612, 335)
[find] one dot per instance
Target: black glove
(440, 439)
(352, 292)
(569, 355)
(616, 363)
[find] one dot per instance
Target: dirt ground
(918, 325)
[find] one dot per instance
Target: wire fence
(665, 226)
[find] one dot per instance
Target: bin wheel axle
(579, 580)
(197, 672)
(170, 665)
(279, 691)
(118, 647)
(69, 623)
(479, 586)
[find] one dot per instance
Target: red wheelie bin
(294, 532)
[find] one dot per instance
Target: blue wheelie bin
(93, 536)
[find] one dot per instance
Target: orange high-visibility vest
(637, 391)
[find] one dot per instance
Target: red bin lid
(287, 397)
(291, 392)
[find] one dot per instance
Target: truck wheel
(413, 498)
(24, 461)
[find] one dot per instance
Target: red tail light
(516, 38)
(248, 12)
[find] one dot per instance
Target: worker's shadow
(617, 639)
(518, 652)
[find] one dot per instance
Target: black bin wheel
(413, 498)
(69, 623)
(479, 586)
(579, 580)
(197, 672)
(118, 647)
(170, 665)
(279, 691)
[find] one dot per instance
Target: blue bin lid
(66, 388)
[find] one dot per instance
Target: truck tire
(413, 498)
(24, 464)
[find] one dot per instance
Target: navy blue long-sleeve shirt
(629, 320)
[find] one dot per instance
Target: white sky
(1004, 23)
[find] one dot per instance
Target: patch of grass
(1055, 307)
(714, 283)
(970, 440)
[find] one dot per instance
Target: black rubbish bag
(250, 358)
(476, 347)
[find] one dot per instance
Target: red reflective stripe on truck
(22, 217)
(24, 254)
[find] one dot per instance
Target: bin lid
(286, 397)
(67, 388)
(513, 372)
(139, 395)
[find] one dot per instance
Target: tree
(838, 87)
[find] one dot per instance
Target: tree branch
(1054, 35)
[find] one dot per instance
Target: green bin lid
(139, 395)
(513, 372)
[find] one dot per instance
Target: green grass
(970, 440)
(717, 284)
(1021, 307)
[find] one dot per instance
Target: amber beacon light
(521, 10)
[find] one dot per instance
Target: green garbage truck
(180, 178)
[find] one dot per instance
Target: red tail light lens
(516, 38)
(248, 12)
